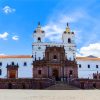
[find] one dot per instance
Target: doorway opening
(56, 74)
(82, 85)
(70, 74)
(23, 86)
(94, 85)
(9, 86)
(12, 73)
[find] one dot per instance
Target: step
(62, 86)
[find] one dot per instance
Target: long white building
(87, 66)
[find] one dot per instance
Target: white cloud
(67, 19)
(2, 54)
(15, 38)
(72, 17)
(53, 32)
(4, 35)
(91, 49)
(8, 9)
(55, 27)
(78, 55)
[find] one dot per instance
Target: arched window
(12, 63)
(80, 66)
(69, 40)
(88, 66)
(0, 71)
(39, 39)
(71, 72)
(54, 57)
(0, 63)
(95, 77)
(39, 72)
(39, 48)
(69, 58)
(25, 63)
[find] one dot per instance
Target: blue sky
(19, 18)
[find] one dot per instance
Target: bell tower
(38, 46)
(39, 34)
(68, 36)
(68, 39)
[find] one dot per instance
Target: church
(49, 62)
(56, 60)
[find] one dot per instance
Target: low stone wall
(86, 83)
(25, 83)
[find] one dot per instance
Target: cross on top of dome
(67, 28)
(39, 29)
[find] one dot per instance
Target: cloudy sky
(19, 18)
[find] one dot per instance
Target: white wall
(23, 71)
(84, 71)
(27, 72)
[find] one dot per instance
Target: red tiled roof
(15, 56)
(29, 56)
(87, 58)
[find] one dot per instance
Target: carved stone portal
(12, 71)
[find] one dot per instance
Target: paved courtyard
(49, 95)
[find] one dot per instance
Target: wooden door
(12, 73)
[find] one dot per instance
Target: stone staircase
(62, 86)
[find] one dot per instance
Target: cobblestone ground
(49, 95)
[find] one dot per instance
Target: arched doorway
(82, 85)
(94, 85)
(55, 74)
(70, 74)
(9, 85)
(12, 73)
(23, 86)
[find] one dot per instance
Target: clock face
(39, 48)
(70, 49)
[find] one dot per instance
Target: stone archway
(55, 74)
(94, 85)
(23, 86)
(9, 85)
(82, 85)
(12, 71)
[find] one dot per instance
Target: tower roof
(68, 29)
(39, 26)
(39, 29)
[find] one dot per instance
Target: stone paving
(49, 95)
